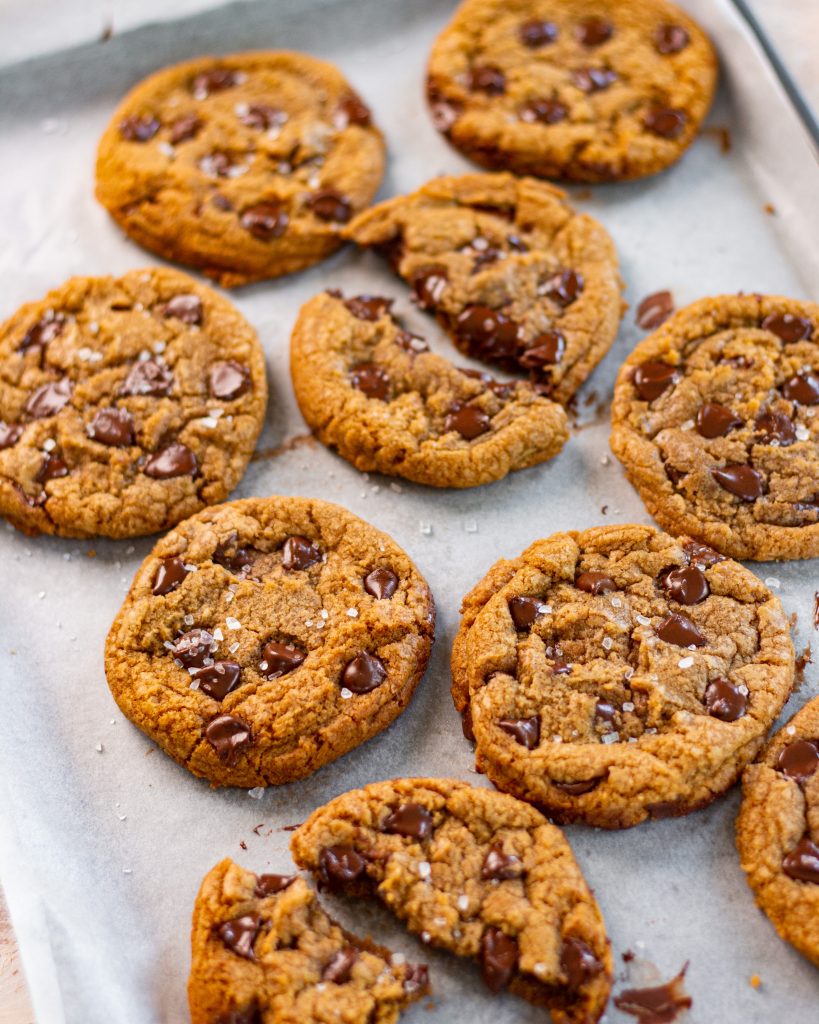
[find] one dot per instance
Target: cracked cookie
(619, 674)
(714, 420)
(245, 166)
(386, 403)
(585, 90)
(266, 637)
(778, 830)
(510, 271)
(475, 872)
(126, 404)
(264, 951)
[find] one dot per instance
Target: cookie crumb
(755, 981)
(770, 209)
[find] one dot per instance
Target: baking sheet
(102, 850)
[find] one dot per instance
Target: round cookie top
(376, 393)
(713, 419)
(586, 90)
(264, 949)
(475, 872)
(619, 674)
(513, 273)
(778, 830)
(265, 637)
(126, 404)
(245, 166)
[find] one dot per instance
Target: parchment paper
(104, 840)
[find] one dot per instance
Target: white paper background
(103, 945)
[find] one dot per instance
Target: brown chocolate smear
(429, 284)
(525, 730)
(169, 576)
(488, 334)
(799, 760)
(498, 958)
(651, 379)
(544, 110)
(679, 630)
(364, 673)
(229, 737)
(279, 659)
(372, 379)
(340, 966)
(593, 32)
(193, 648)
(114, 427)
(488, 79)
(269, 885)
(525, 611)
(537, 32)
(216, 80)
(687, 585)
(299, 553)
(654, 310)
(174, 460)
(184, 128)
(564, 288)
(187, 308)
(577, 788)
(148, 377)
(339, 866)
(50, 326)
(410, 820)
(381, 583)
(52, 467)
(546, 349)
(701, 553)
(593, 79)
(669, 39)
(219, 679)
(262, 117)
(352, 110)
(741, 480)
(715, 420)
(138, 129)
(500, 865)
(595, 583)
(240, 934)
(724, 701)
(802, 863)
(330, 205)
(229, 380)
(578, 962)
(469, 421)
(48, 399)
(787, 327)
(803, 388)
(660, 1004)
(369, 307)
(265, 221)
(665, 122)
(772, 425)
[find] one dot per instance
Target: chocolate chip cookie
(778, 830)
(264, 951)
(475, 872)
(378, 395)
(125, 405)
(265, 637)
(245, 166)
(509, 269)
(714, 421)
(619, 674)
(586, 90)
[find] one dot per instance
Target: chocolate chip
(607, 712)
(138, 129)
(229, 737)
(193, 648)
(578, 962)
(724, 701)
(772, 425)
(265, 221)
(372, 379)
(299, 553)
(410, 820)
(679, 630)
(443, 110)
(50, 326)
(364, 673)
(48, 399)
(339, 866)
(564, 288)
(595, 583)
(525, 730)
(184, 128)
(651, 379)
(187, 308)
(216, 80)
(279, 659)
(429, 284)
(659, 1004)
(488, 79)
(544, 111)
(171, 461)
(417, 978)
(113, 427)
(369, 307)
(799, 760)
(500, 865)
(670, 39)
(330, 205)
(654, 310)
(546, 349)
(219, 679)
(741, 480)
(352, 110)
(577, 788)
(787, 327)
(381, 583)
(339, 968)
(10, 434)
(469, 421)
(148, 377)
(674, 475)
(488, 333)
(701, 553)
(803, 388)
(52, 467)
(687, 585)
(216, 165)
(247, 1015)
(593, 79)
(665, 122)
(269, 885)
(169, 576)
(802, 863)
(235, 559)
(228, 380)
(240, 934)
(524, 611)
(221, 202)
(715, 420)
(262, 117)
(593, 32)
(499, 958)
(537, 32)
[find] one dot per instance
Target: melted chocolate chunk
(381, 583)
(444, 112)
(265, 221)
(269, 885)
(247, 1015)
(229, 380)
(339, 866)
(330, 205)
(488, 333)
(772, 425)
(500, 865)
(665, 122)
(237, 560)
(469, 421)
(578, 962)
(544, 110)
(679, 630)
(372, 379)
(262, 117)
(169, 576)
(138, 129)
(369, 307)
(654, 310)
(48, 399)
(669, 39)
(340, 966)
(498, 958)
(595, 583)
(651, 379)
(537, 32)
(802, 863)
(660, 1004)
(525, 611)
(525, 731)
(488, 79)
(687, 585)
(174, 460)
(715, 420)
(193, 648)
(52, 467)
(240, 934)
(187, 308)
(50, 326)
(148, 377)
(364, 673)
(416, 978)
(299, 553)
(229, 737)
(741, 480)
(799, 760)
(184, 128)
(563, 288)
(702, 554)
(429, 284)
(410, 820)
(216, 165)
(578, 788)
(216, 80)
(546, 349)
(607, 712)
(114, 427)
(279, 659)
(787, 327)
(591, 80)
(803, 388)
(593, 32)
(724, 701)
(352, 110)
(219, 679)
